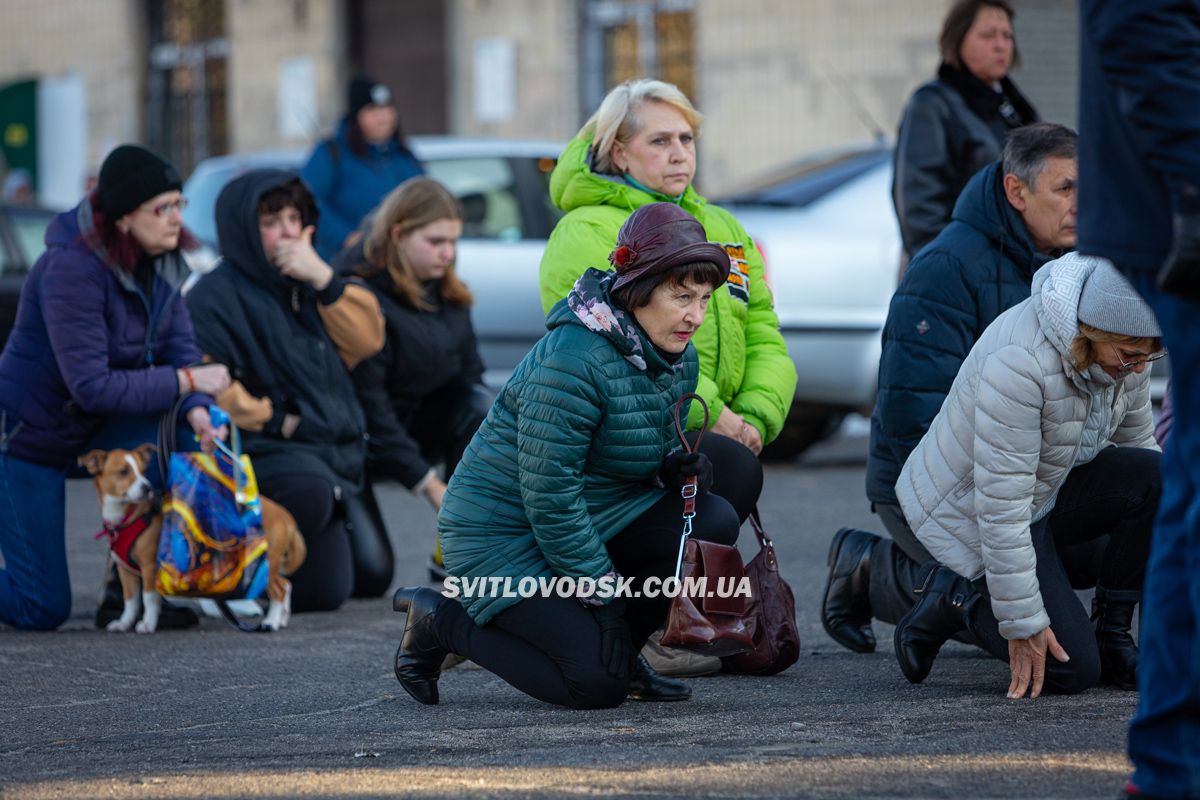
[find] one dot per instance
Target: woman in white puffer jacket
(1020, 461)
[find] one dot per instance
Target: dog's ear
(144, 453)
(93, 462)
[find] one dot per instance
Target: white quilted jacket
(1017, 419)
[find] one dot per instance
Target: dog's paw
(142, 627)
(118, 626)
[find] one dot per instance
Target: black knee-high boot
(943, 611)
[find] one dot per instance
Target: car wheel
(806, 425)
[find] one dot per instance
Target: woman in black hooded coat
(289, 329)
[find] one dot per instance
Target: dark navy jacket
(1139, 126)
(89, 345)
(980, 265)
(348, 186)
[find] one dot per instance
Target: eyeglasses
(163, 209)
(1144, 360)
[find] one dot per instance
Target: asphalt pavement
(315, 711)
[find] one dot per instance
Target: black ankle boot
(846, 606)
(1112, 614)
(938, 615)
(419, 657)
(648, 685)
(112, 605)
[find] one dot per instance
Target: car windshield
(811, 179)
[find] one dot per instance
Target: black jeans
(1117, 494)
(549, 647)
(326, 578)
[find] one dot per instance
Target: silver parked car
(832, 248)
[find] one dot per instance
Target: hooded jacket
(568, 454)
(285, 344)
(952, 127)
(348, 186)
(88, 344)
(744, 363)
(979, 266)
(1018, 418)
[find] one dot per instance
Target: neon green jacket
(744, 363)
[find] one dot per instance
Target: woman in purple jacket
(101, 348)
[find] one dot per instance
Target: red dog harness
(122, 535)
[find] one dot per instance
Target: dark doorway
(404, 45)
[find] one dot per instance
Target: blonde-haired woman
(1045, 440)
(639, 148)
(423, 394)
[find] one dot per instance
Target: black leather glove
(678, 466)
(1180, 275)
(616, 646)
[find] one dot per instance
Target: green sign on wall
(18, 127)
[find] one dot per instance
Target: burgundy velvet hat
(659, 236)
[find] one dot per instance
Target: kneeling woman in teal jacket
(575, 473)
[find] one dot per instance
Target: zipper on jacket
(1074, 455)
(152, 322)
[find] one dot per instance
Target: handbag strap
(764, 541)
(689, 489)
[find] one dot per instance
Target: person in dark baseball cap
(352, 171)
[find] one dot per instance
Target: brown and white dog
(133, 523)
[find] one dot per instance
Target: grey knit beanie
(1109, 303)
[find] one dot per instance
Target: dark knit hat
(366, 91)
(659, 236)
(1109, 303)
(130, 176)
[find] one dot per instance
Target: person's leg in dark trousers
(1117, 493)
(898, 567)
(649, 547)
(1068, 620)
(326, 578)
(547, 647)
(1164, 737)
(737, 473)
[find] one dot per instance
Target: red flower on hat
(623, 255)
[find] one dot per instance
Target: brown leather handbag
(710, 625)
(773, 609)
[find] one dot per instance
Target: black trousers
(1116, 494)
(900, 565)
(549, 647)
(326, 578)
(737, 473)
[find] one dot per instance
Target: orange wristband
(187, 373)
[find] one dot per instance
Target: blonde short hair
(616, 120)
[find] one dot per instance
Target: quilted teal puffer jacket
(566, 457)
